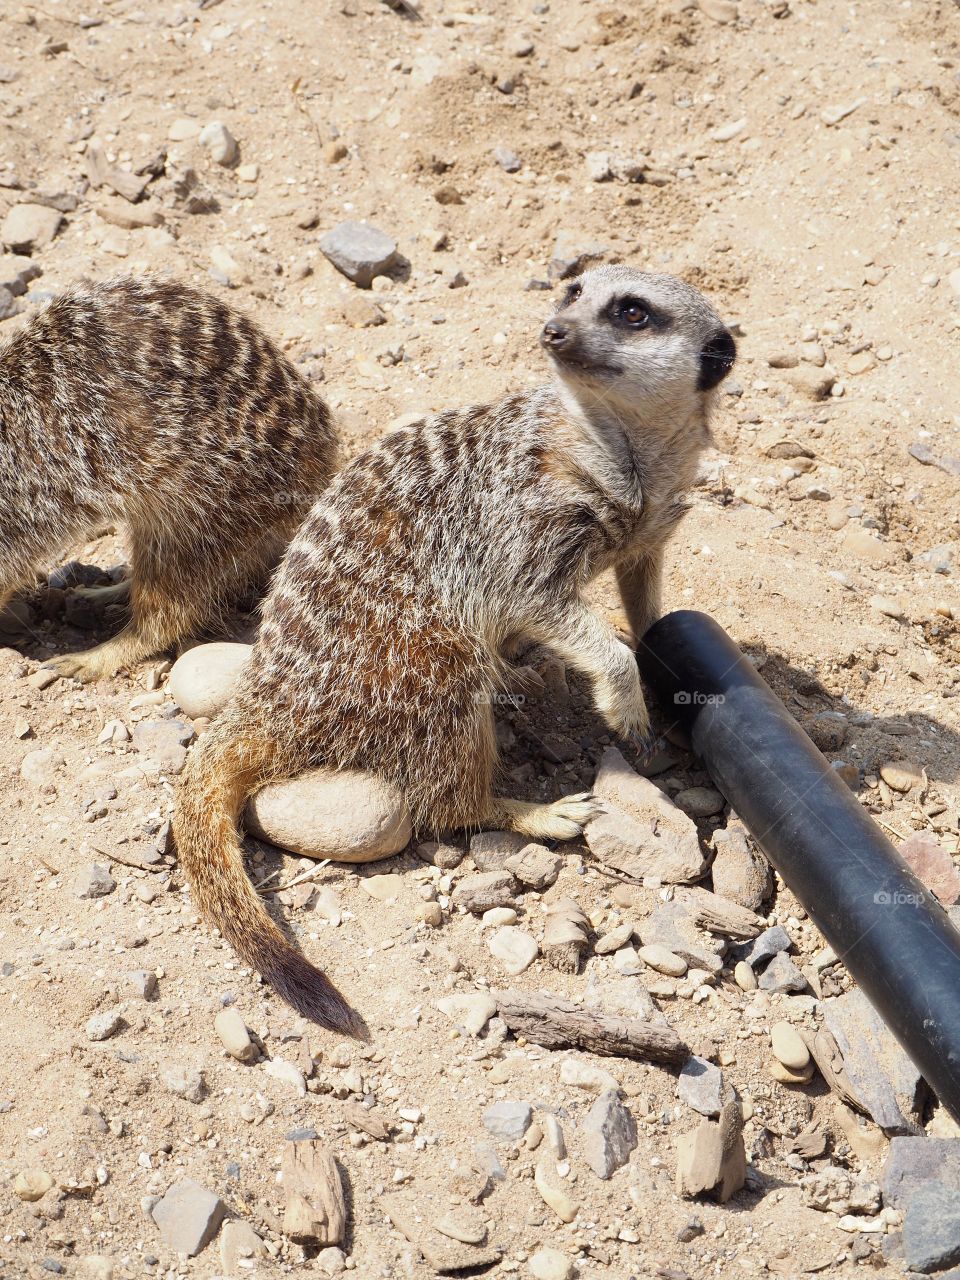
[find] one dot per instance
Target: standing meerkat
(153, 403)
(383, 638)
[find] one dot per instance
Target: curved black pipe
(889, 930)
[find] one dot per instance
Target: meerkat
(153, 403)
(383, 638)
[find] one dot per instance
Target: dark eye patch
(572, 294)
(634, 313)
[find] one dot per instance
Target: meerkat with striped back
(153, 403)
(431, 555)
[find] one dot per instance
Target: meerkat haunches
(430, 555)
(154, 403)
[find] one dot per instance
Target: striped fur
(150, 402)
(383, 638)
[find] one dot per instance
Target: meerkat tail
(220, 775)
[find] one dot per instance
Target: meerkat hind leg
(564, 819)
(168, 601)
(102, 597)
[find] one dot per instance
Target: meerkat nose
(554, 334)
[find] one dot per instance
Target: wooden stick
(560, 1024)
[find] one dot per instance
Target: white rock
(347, 817)
(584, 1075)
(288, 1073)
(471, 1011)
(202, 681)
(514, 948)
(550, 1264)
(220, 142)
(184, 1083)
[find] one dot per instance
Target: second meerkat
(148, 401)
(384, 635)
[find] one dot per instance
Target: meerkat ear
(716, 359)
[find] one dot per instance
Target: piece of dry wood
(720, 915)
(826, 1054)
(315, 1210)
(560, 1024)
(367, 1119)
(711, 1159)
(565, 935)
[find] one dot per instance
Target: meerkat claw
(567, 817)
(73, 665)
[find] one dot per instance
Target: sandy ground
(800, 164)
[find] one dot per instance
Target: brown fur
(150, 402)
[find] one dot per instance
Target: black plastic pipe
(888, 929)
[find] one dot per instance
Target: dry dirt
(804, 229)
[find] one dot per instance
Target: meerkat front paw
(626, 714)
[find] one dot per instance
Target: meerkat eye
(572, 294)
(632, 312)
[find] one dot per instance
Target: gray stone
(609, 1134)
(699, 802)
(641, 832)
(94, 882)
(671, 926)
(766, 945)
(28, 227)
(701, 1086)
(8, 304)
(184, 1083)
(782, 976)
(490, 850)
(938, 559)
(875, 1067)
(536, 867)
(189, 1216)
(508, 1120)
(485, 890)
(912, 1161)
(239, 1244)
(508, 160)
(931, 1228)
(143, 982)
(104, 1025)
(359, 251)
(599, 166)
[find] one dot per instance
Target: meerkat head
(643, 345)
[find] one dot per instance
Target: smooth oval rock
(663, 960)
(203, 679)
(346, 817)
(788, 1046)
(234, 1036)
